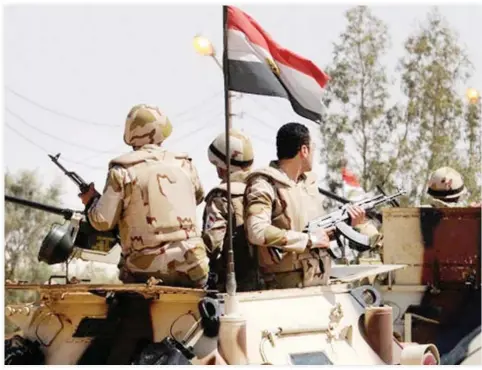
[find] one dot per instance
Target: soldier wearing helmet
(151, 195)
(216, 212)
(446, 188)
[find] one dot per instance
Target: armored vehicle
(74, 322)
(436, 298)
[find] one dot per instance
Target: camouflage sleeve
(105, 211)
(369, 229)
(259, 198)
(196, 181)
(215, 224)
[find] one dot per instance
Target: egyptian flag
(352, 189)
(258, 65)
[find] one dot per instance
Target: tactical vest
(294, 205)
(160, 206)
(244, 262)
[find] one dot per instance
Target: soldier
(446, 188)
(151, 194)
(216, 212)
(279, 201)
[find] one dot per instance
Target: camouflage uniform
(277, 210)
(152, 194)
(216, 212)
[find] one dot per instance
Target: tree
(356, 96)
(25, 227)
(472, 165)
(433, 71)
(24, 230)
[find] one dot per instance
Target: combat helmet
(446, 184)
(240, 147)
(146, 124)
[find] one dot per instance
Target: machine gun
(339, 220)
(76, 238)
(79, 181)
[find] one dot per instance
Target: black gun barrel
(65, 212)
(79, 181)
(331, 195)
(393, 202)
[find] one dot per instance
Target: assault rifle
(371, 213)
(340, 218)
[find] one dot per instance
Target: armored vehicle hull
(436, 298)
(341, 324)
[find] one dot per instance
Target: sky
(72, 73)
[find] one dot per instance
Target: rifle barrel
(331, 195)
(65, 212)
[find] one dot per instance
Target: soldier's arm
(105, 211)
(259, 198)
(215, 224)
(369, 229)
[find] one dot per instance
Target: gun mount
(75, 238)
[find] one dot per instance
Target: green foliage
(26, 227)
(24, 230)
(357, 95)
(472, 164)
(401, 144)
(434, 69)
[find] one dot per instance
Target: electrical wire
(46, 151)
(201, 104)
(264, 107)
(113, 150)
(58, 113)
(201, 128)
(66, 115)
(185, 136)
(261, 121)
(53, 136)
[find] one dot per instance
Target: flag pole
(230, 274)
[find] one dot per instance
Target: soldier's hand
(320, 238)
(88, 195)
(357, 214)
(476, 204)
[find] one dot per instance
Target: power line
(111, 150)
(173, 141)
(53, 136)
(202, 128)
(26, 138)
(257, 101)
(201, 104)
(62, 114)
(260, 121)
(46, 151)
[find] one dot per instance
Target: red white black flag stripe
(258, 65)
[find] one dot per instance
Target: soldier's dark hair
(290, 138)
